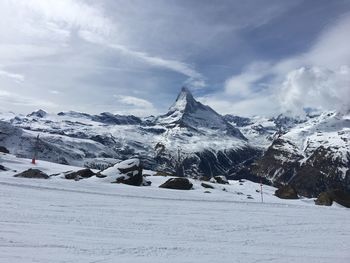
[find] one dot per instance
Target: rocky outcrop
(4, 149)
(337, 195)
(131, 173)
(81, 174)
(324, 198)
(279, 163)
(178, 184)
(220, 179)
(321, 172)
(286, 192)
(33, 173)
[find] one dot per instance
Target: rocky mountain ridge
(312, 153)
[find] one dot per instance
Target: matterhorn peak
(187, 112)
(184, 101)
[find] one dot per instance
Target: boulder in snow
(286, 192)
(177, 183)
(337, 195)
(128, 172)
(33, 173)
(324, 198)
(77, 175)
(221, 179)
(129, 166)
(4, 149)
(3, 168)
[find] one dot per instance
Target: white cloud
(135, 105)
(195, 78)
(134, 101)
(14, 76)
(241, 85)
(12, 99)
(325, 85)
(316, 88)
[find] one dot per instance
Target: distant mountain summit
(189, 113)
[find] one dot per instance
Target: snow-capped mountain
(312, 153)
(189, 113)
(206, 142)
(313, 156)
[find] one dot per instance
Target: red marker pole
(35, 149)
(261, 192)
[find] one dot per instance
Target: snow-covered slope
(92, 220)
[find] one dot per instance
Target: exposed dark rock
(204, 178)
(129, 166)
(277, 164)
(3, 168)
(286, 192)
(320, 173)
(205, 185)
(131, 179)
(324, 198)
(341, 197)
(207, 192)
(220, 179)
(132, 173)
(4, 149)
(32, 173)
(177, 183)
(99, 175)
(77, 175)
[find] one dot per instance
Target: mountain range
(311, 153)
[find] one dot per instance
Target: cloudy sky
(132, 57)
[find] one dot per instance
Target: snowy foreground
(92, 220)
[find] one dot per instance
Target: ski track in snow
(86, 222)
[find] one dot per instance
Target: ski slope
(92, 220)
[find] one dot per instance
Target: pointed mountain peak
(184, 101)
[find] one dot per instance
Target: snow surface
(92, 220)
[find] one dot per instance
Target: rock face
(4, 149)
(321, 172)
(3, 168)
(279, 163)
(341, 197)
(324, 199)
(131, 179)
(286, 192)
(178, 184)
(33, 173)
(337, 195)
(81, 174)
(221, 179)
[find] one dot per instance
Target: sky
(253, 57)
